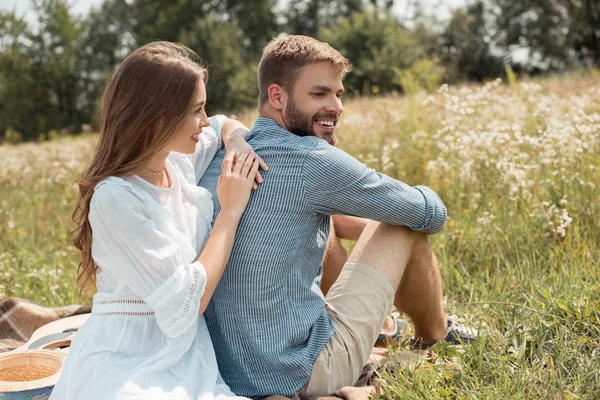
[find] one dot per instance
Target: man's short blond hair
(283, 58)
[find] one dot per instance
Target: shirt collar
(267, 125)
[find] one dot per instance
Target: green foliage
(53, 72)
(308, 17)
(424, 74)
(375, 44)
(219, 44)
(556, 33)
(40, 71)
(466, 47)
(510, 76)
(161, 20)
(13, 136)
(256, 20)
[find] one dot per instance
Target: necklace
(156, 172)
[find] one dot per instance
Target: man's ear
(277, 96)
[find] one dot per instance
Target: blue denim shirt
(267, 318)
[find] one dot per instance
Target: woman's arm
(233, 133)
(233, 136)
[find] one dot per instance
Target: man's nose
(335, 106)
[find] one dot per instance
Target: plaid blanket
(19, 318)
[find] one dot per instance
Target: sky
(443, 8)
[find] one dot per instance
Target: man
(274, 332)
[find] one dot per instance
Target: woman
(142, 223)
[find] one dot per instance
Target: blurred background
(56, 55)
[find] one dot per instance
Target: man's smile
(327, 124)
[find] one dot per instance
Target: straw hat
(52, 359)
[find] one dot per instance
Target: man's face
(314, 106)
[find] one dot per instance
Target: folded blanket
(19, 319)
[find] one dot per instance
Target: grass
(518, 167)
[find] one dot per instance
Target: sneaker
(395, 333)
(460, 334)
(455, 334)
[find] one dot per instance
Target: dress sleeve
(336, 183)
(208, 146)
(128, 242)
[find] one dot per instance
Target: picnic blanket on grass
(19, 318)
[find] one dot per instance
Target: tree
(466, 47)
(16, 81)
(256, 20)
(40, 70)
(308, 17)
(375, 45)
(232, 82)
(161, 20)
(555, 33)
(107, 38)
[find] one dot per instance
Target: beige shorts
(357, 303)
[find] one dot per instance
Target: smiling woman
(145, 237)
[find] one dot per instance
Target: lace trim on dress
(186, 309)
(177, 301)
(174, 305)
(128, 313)
(132, 307)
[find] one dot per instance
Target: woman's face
(188, 134)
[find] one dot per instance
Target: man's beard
(301, 124)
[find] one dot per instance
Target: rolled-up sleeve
(129, 244)
(336, 183)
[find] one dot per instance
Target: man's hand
(236, 143)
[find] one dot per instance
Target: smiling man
(274, 332)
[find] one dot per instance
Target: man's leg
(333, 263)
(407, 261)
(389, 265)
(335, 257)
(342, 227)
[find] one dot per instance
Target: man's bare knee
(393, 233)
(386, 246)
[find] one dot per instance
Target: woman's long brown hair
(142, 106)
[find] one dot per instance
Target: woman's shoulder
(112, 185)
(116, 193)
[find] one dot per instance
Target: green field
(518, 166)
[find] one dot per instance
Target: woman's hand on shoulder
(235, 142)
(236, 181)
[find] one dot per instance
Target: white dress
(144, 339)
